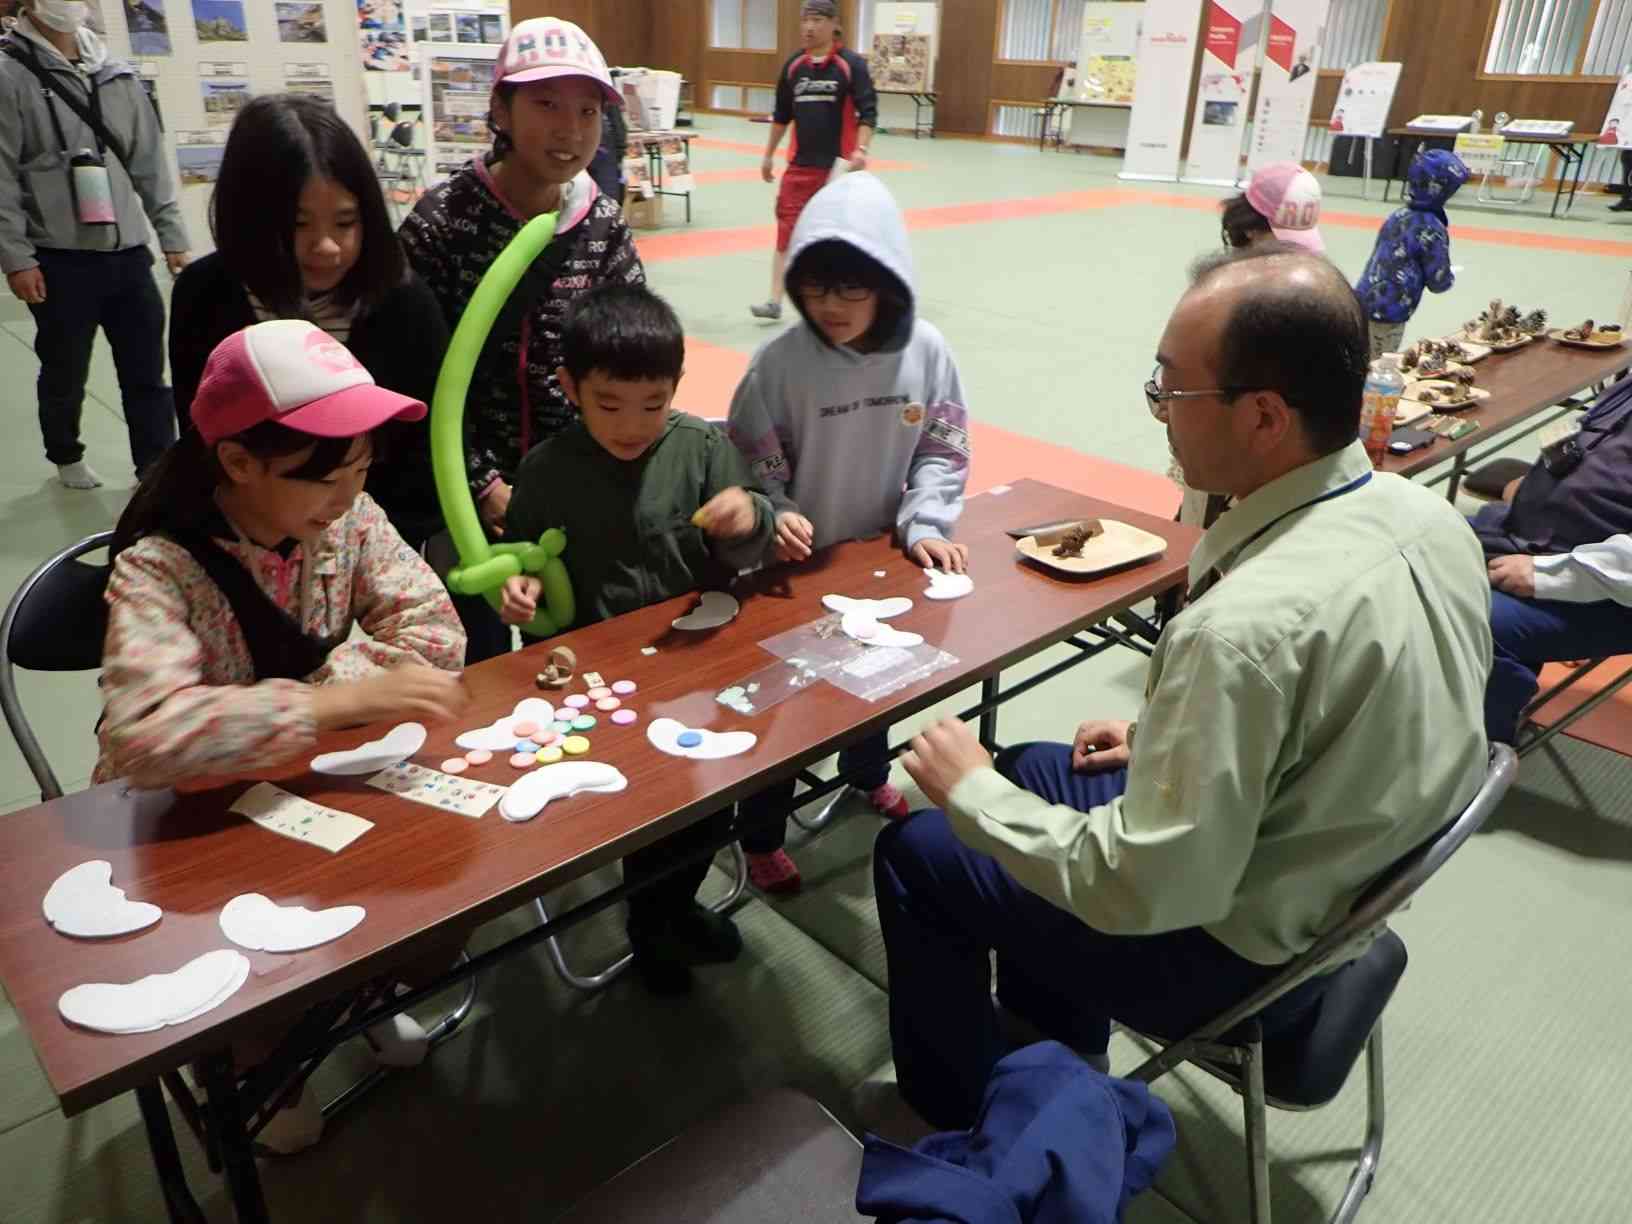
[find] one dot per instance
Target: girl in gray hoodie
(854, 423)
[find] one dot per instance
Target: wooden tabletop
(1531, 138)
(1522, 384)
(419, 867)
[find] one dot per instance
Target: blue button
(689, 739)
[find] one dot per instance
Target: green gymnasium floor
(1507, 1079)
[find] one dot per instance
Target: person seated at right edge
(1311, 716)
(1559, 549)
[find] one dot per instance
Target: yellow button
(575, 745)
(548, 756)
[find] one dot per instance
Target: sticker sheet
(290, 816)
(439, 790)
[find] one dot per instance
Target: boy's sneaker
(707, 938)
(399, 1041)
(766, 310)
(294, 1129)
(888, 802)
(78, 476)
(774, 873)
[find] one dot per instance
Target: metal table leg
(989, 689)
(237, 1154)
(1459, 467)
(161, 1140)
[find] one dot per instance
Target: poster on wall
(900, 62)
(1107, 58)
(1166, 55)
(224, 89)
(198, 156)
(220, 21)
(457, 82)
(149, 27)
(1229, 55)
(312, 80)
(920, 26)
(1286, 85)
(383, 35)
(301, 22)
(1364, 100)
(1617, 128)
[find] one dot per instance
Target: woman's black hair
(178, 494)
(835, 262)
(1241, 222)
(504, 92)
(277, 144)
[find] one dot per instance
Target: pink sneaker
(774, 872)
(888, 802)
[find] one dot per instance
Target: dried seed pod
(1076, 538)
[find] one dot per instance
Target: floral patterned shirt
(180, 698)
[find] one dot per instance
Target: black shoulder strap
(279, 648)
(93, 121)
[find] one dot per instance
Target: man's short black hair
(1306, 342)
(626, 332)
(279, 143)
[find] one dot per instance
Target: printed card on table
(275, 809)
(439, 790)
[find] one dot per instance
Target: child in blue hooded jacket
(1413, 250)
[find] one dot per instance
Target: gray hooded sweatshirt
(36, 206)
(859, 443)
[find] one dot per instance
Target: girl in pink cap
(550, 86)
(240, 568)
(1281, 202)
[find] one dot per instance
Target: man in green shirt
(1313, 714)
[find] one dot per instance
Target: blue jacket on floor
(1056, 1143)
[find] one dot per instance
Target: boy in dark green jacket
(654, 504)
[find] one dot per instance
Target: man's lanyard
(51, 108)
(1212, 576)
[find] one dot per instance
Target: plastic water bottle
(1384, 386)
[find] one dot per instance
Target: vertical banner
(1617, 129)
(1286, 87)
(1229, 52)
(1167, 53)
(1364, 99)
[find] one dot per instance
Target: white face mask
(63, 16)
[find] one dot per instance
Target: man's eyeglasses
(1157, 398)
(814, 291)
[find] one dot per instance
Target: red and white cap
(1288, 197)
(544, 48)
(292, 372)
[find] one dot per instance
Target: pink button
(624, 717)
(624, 687)
(546, 738)
(524, 760)
(608, 703)
(577, 701)
(456, 765)
(599, 694)
(525, 729)
(478, 756)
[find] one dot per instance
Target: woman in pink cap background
(1283, 202)
(550, 86)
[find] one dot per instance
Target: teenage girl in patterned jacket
(549, 87)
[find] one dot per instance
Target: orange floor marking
(1001, 456)
(1610, 725)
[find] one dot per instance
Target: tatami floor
(1507, 1077)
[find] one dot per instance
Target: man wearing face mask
(82, 173)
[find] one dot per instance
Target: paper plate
(1464, 338)
(1476, 395)
(1121, 545)
(1558, 334)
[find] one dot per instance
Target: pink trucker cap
(292, 372)
(1288, 197)
(543, 48)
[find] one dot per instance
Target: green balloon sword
(484, 567)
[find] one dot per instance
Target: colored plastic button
(583, 722)
(548, 756)
(689, 739)
(624, 687)
(478, 756)
(524, 760)
(455, 765)
(526, 745)
(624, 717)
(608, 704)
(577, 701)
(546, 738)
(525, 730)
(562, 727)
(574, 745)
(599, 694)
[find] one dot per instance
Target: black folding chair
(1307, 1068)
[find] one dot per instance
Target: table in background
(652, 144)
(420, 870)
(1054, 109)
(1573, 147)
(1523, 385)
(922, 100)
